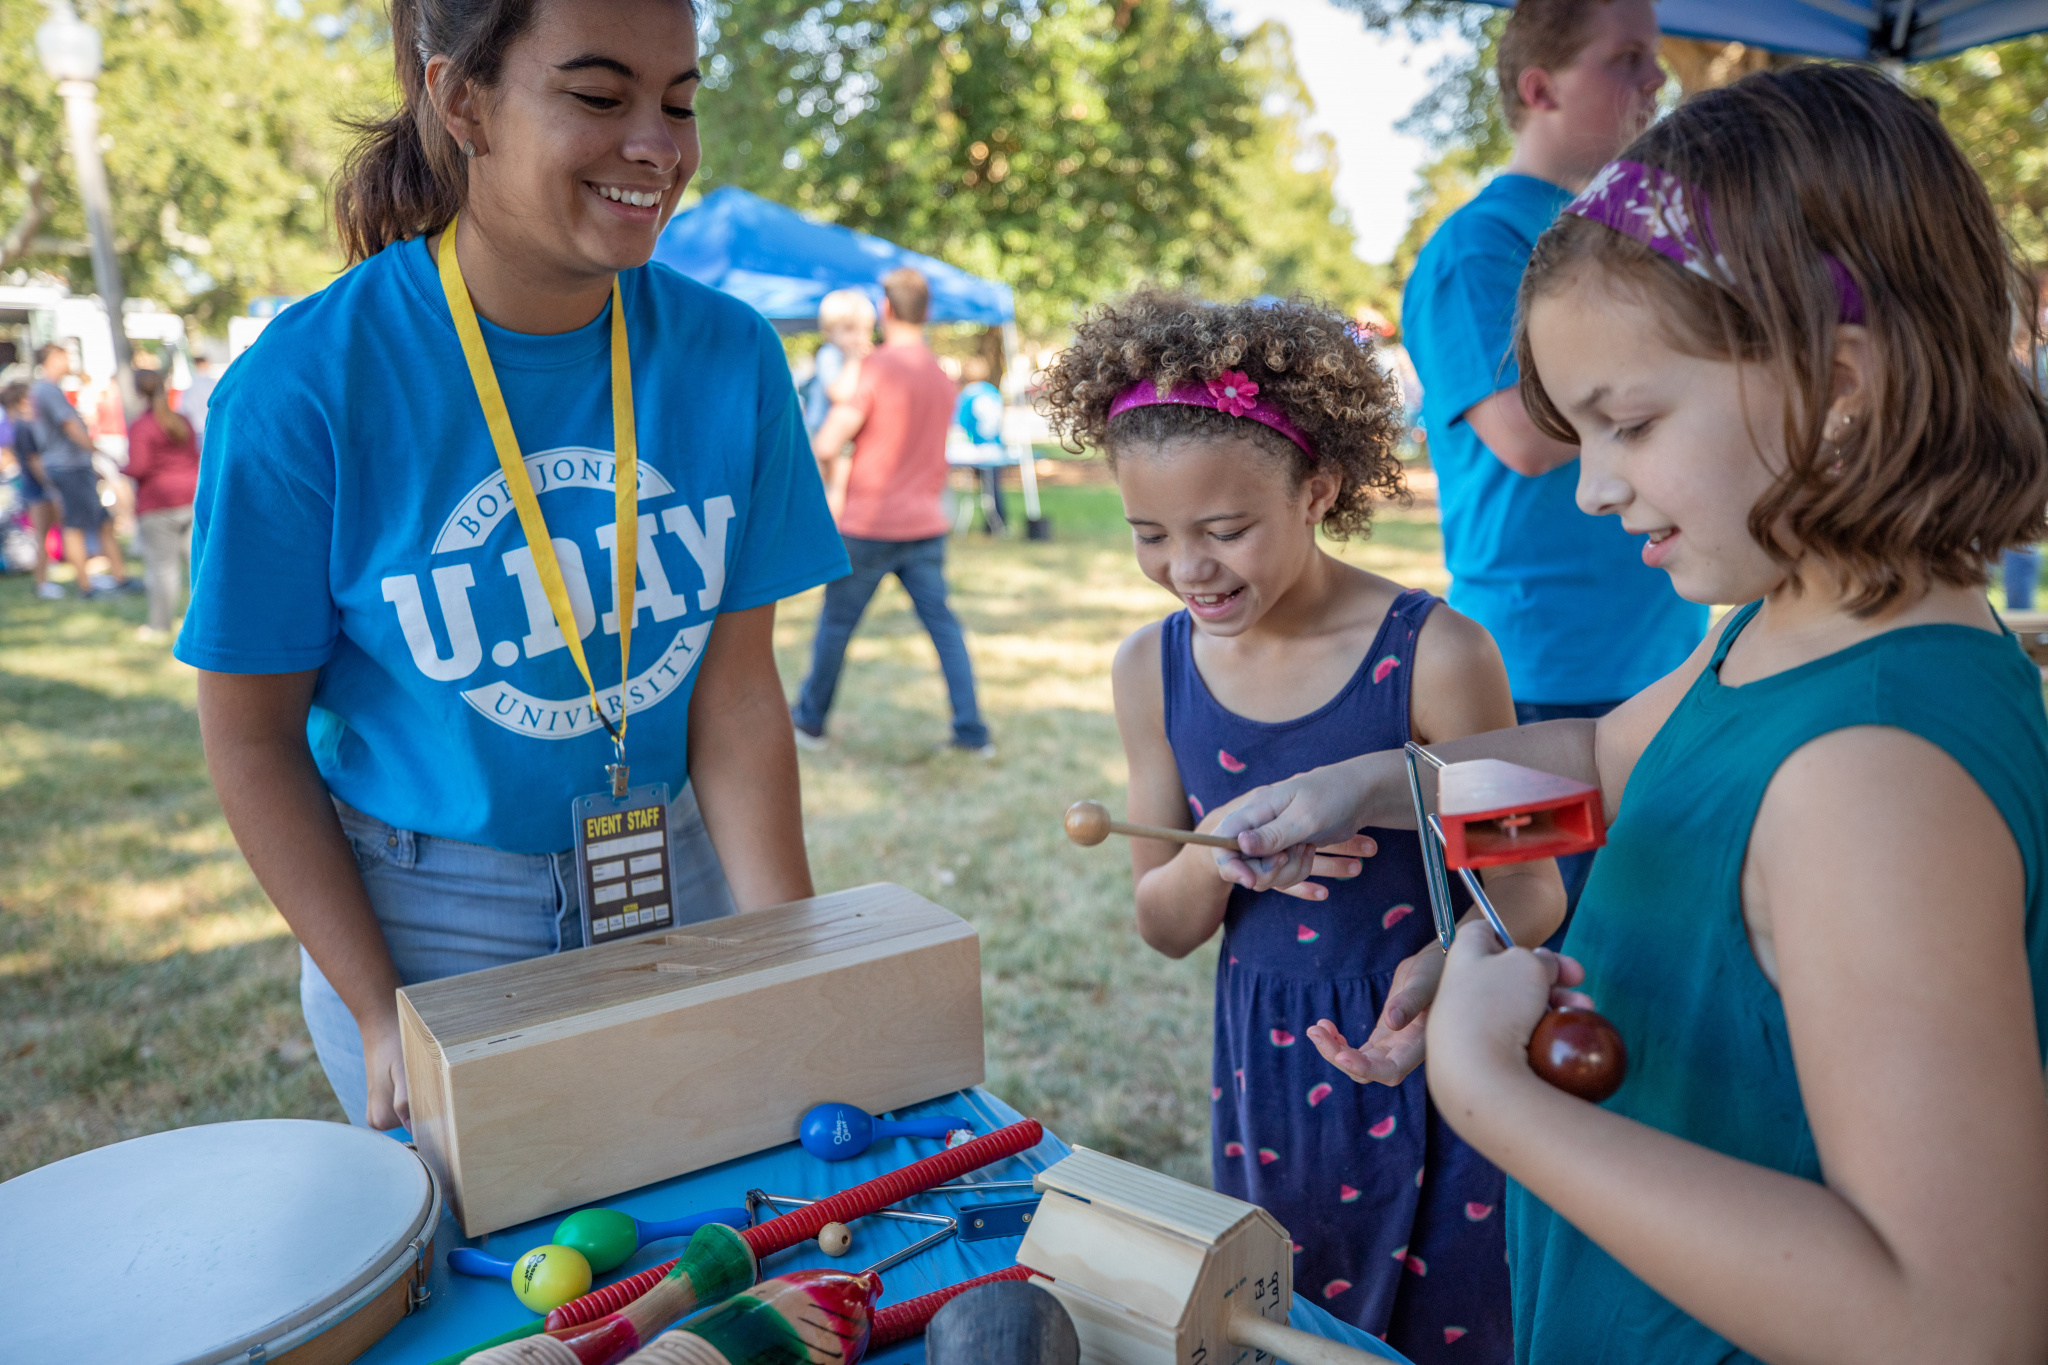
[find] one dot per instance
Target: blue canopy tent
(1871, 30)
(782, 263)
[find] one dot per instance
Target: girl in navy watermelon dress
(1236, 432)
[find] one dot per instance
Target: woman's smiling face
(1221, 524)
(589, 137)
(1679, 446)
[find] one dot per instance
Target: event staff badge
(623, 872)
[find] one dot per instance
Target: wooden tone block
(1494, 812)
(562, 1080)
(1151, 1269)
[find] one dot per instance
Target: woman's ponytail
(404, 177)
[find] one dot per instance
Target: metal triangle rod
(1431, 833)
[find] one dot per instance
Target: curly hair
(1307, 360)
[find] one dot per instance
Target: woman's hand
(384, 1069)
(1487, 1006)
(1395, 1046)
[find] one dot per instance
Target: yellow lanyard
(625, 480)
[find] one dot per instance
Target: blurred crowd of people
(78, 478)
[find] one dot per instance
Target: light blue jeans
(447, 907)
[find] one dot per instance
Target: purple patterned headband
(1231, 393)
(1671, 218)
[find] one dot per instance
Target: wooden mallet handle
(1088, 824)
(1290, 1343)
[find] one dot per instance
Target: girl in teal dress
(1777, 329)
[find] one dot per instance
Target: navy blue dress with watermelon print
(1396, 1222)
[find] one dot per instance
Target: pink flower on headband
(1234, 393)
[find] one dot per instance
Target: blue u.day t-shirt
(1577, 614)
(352, 518)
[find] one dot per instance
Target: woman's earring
(469, 149)
(1831, 441)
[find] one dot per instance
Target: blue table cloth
(465, 1309)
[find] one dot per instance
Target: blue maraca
(834, 1132)
(605, 1237)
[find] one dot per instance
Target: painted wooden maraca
(807, 1317)
(836, 1132)
(604, 1237)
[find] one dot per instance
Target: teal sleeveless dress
(1660, 933)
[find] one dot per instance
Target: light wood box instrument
(554, 1082)
(1154, 1271)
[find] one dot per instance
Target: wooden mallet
(1088, 824)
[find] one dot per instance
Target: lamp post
(70, 52)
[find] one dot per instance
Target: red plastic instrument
(902, 1321)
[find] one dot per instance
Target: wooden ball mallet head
(1088, 824)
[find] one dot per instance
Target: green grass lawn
(146, 983)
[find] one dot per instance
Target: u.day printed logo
(505, 592)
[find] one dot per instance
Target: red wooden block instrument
(1489, 813)
(1494, 812)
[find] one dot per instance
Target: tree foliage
(1071, 148)
(219, 131)
(1995, 101)
(1297, 238)
(1064, 148)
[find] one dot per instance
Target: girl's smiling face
(1679, 446)
(1222, 525)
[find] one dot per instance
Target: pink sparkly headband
(1231, 393)
(1670, 217)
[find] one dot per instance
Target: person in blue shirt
(393, 717)
(1581, 621)
(979, 414)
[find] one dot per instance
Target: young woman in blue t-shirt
(1779, 330)
(399, 701)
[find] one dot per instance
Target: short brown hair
(1546, 34)
(1949, 463)
(1307, 360)
(909, 294)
